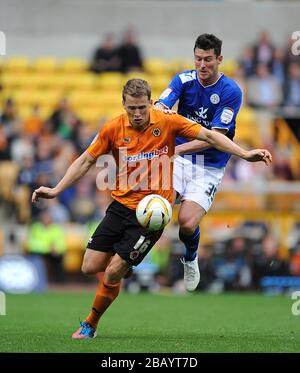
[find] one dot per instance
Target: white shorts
(196, 183)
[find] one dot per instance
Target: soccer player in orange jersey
(141, 135)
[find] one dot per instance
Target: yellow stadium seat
(16, 64)
(136, 75)
(83, 81)
(90, 115)
(46, 111)
(110, 81)
(155, 95)
(179, 64)
(247, 129)
(73, 65)
(8, 175)
(85, 99)
(57, 81)
(72, 261)
(25, 97)
(22, 198)
(95, 99)
(25, 111)
(247, 115)
(11, 80)
(45, 64)
(113, 113)
(155, 66)
(111, 99)
(159, 82)
(228, 67)
(37, 97)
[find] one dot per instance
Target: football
(154, 212)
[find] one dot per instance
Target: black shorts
(120, 232)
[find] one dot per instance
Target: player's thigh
(190, 214)
(202, 188)
(95, 261)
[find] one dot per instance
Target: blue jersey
(214, 106)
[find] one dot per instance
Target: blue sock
(191, 244)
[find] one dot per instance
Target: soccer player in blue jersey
(206, 96)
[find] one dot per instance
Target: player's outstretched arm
(77, 169)
(194, 145)
(223, 143)
(159, 106)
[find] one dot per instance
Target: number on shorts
(211, 190)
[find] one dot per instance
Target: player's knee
(188, 225)
(115, 271)
(112, 275)
(88, 269)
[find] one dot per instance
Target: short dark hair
(209, 41)
(136, 88)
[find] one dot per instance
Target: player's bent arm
(77, 169)
(195, 146)
(223, 143)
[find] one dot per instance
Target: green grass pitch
(152, 323)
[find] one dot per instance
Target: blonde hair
(136, 88)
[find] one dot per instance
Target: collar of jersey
(210, 85)
(152, 120)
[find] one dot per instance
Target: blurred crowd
(269, 75)
(43, 150)
(240, 263)
(123, 58)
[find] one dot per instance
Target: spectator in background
(106, 56)
(240, 78)
(9, 128)
(47, 240)
(291, 88)
(43, 158)
(232, 268)
(4, 145)
(295, 259)
(59, 213)
(63, 121)
(281, 168)
(83, 137)
(247, 62)
(83, 205)
(264, 92)
(33, 124)
(21, 147)
(27, 173)
(263, 50)
(278, 66)
(37, 209)
(268, 262)
(129, 52)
